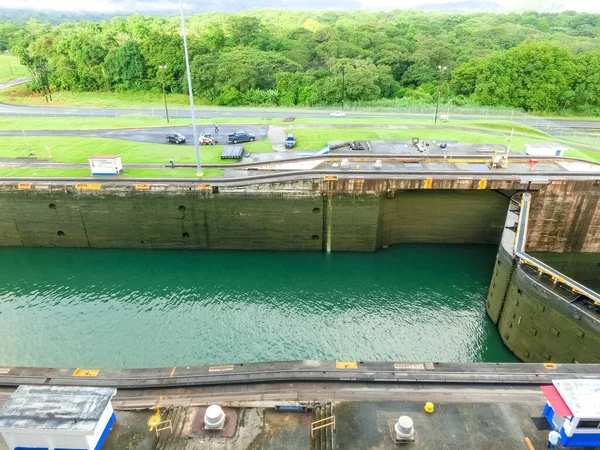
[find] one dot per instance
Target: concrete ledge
(290, 371)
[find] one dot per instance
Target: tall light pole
(437, 108)
(343, 85)
(164, 93)
(189, 78)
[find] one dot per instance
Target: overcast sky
(172, 5)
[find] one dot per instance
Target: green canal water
(138, 308)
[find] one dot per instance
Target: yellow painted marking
(330, 178)
(173, 371)
(529, 444)
(24, 185)
(428, 183)
(482, 183)
(549, 366)
(346, 365)
(203, 186)
(144, 187)
(220, 368)
(88, 186)
(85, 373)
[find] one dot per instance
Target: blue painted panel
(105, 432)
(31, 448)
(579, 439)
(104, 174)
(549, 415)
(69, 449)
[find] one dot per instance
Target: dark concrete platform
(306, 370)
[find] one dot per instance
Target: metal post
(189, 77)
(164, 93)
(343, 85)
(437, 107)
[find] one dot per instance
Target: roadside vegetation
(544, 63)
(11, 68)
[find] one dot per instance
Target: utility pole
(164, 93)
(343, 85)
(437, 108)
(189, 78)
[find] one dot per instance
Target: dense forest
(537, 62)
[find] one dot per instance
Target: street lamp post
(343, 85)
(164, 93)
(437, 108)
(189, 78)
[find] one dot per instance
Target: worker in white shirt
(553, 438)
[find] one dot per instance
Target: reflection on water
(140, 308)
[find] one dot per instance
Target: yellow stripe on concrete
(428, 183)
(142, 187)
(346, 365)
(529, 444)
(330, 178)
(85, 373)
(88, 186)
(173, 371)
(482, 183)
(203, 186)
(24, 185)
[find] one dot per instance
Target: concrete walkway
(11, 83)
(276, 135)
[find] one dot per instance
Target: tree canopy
(537, 62)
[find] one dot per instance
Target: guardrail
(541, 267)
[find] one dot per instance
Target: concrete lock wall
(565, 217)
(536, 320)
(256, 220)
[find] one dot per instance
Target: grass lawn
(11, 68)
(127, 173)
(583, 154)
(19, 95)
(78, 149)
(86, 123)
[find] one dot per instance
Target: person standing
(216, 127)
(553, 438)
(172, 161)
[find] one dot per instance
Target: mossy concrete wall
(537, 320)
(565, 217)
(262, 219)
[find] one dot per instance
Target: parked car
(207, 139)
(290, 141)
(338, 114)
(176, 138)
(241, 136)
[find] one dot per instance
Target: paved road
(156, 135)
(8, 84)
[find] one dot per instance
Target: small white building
(106, 165)
(545, 149)
(57, 418)
(573, 409)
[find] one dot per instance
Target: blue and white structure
(105, 165)
(57, 418)
(573, 409)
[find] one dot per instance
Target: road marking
(220, 368)
(529, 444)
(85, 373)
(346, 365)
(173, 371)
(88, 186)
